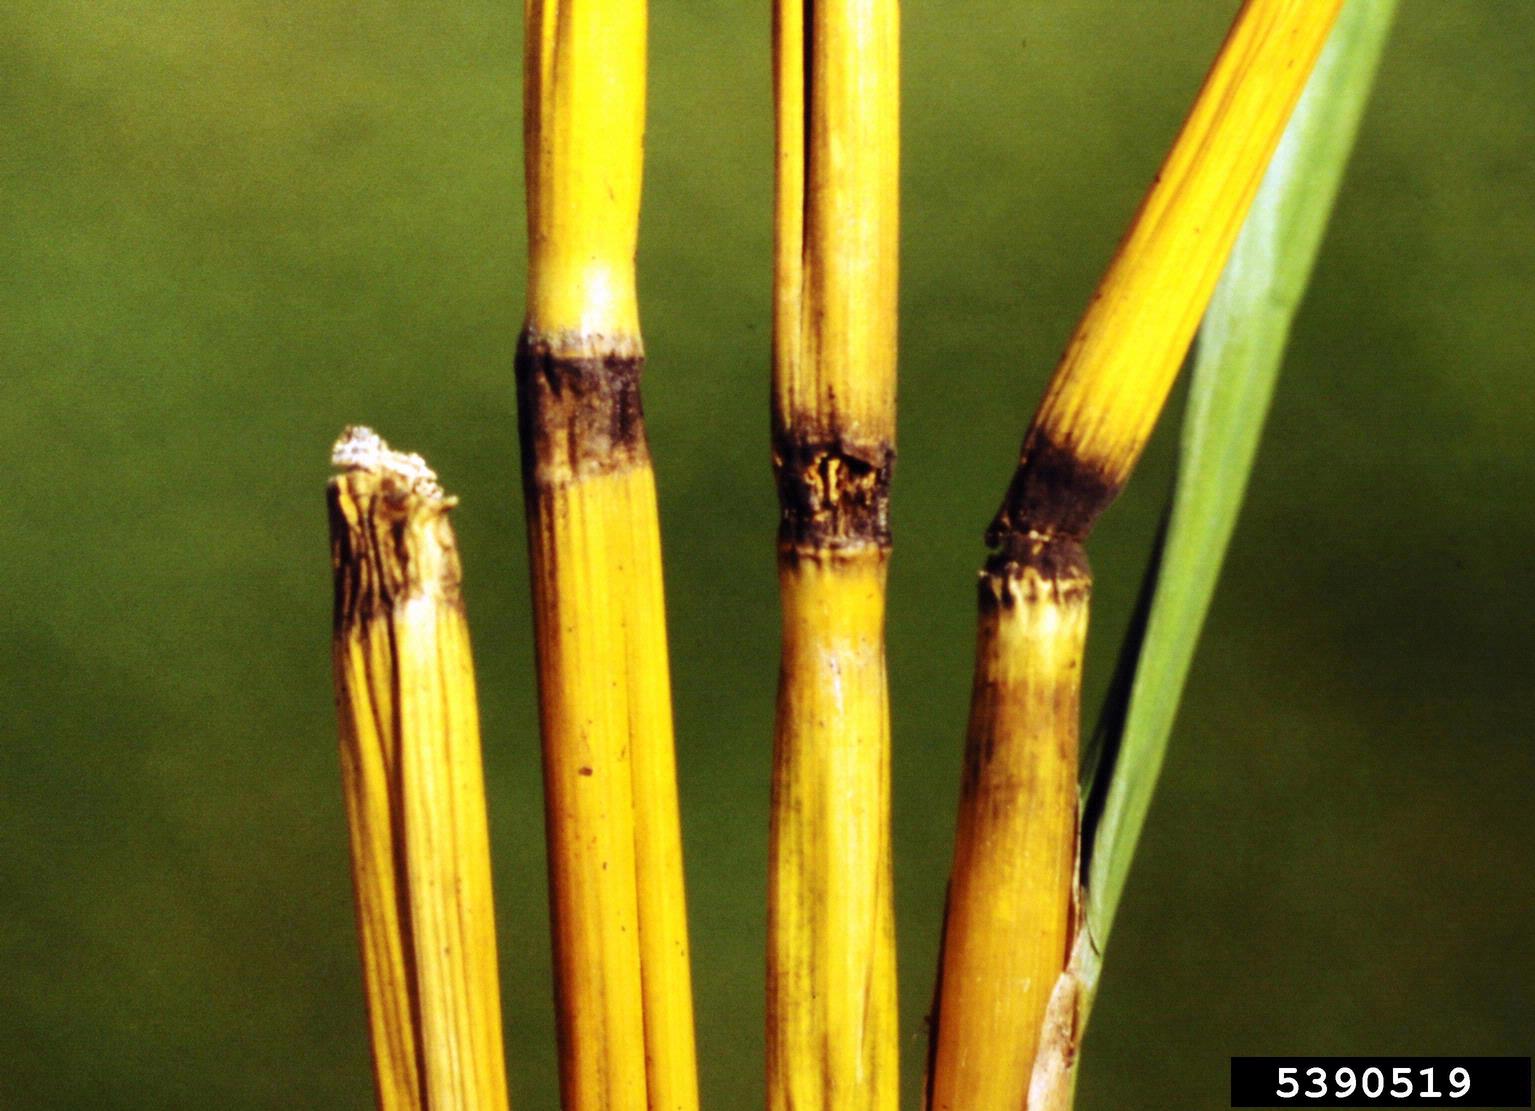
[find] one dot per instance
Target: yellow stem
(1120, 363)
(583, 133)
(832, 1016)
(1009, 922)
(1012, 899)
(623, 988)
(415, 794)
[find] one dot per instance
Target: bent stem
(832, 1016)
(415, 794)
(622, 981)
(1018, 807)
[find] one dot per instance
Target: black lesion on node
(1053, 493)
(1058, 560)
(1051, 506)
(832, 492)
(578, 414)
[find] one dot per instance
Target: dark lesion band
(1055, 492)
(833, 492)
(1053, 502)
(579, 415)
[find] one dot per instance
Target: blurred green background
(231, 226)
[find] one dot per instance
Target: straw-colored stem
(1013, 898)
(415, 798)
(1106, 395)
(623, 991)
(1010, 920)
(832, 1033)
(832, 1016)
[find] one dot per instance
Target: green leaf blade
(1241, 348)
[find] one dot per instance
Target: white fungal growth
(362, 449)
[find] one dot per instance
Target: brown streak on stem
(390, 542)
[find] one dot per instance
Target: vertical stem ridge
(623, 984)
(1009, 922)
(832, 1037)
(832, 1014)
(414, 787)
